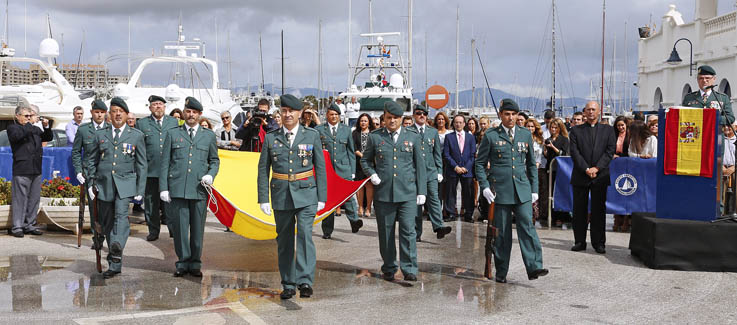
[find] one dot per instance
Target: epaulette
(274, 130)
(413, 130)
(377, 130)
(134, 130)
(307, 128)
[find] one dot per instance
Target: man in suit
(459, 151)
(432, 154)
(708, 97)
(592, 148)
(394, 160)
(25, 143)
(155, 127)
(513, 174)
(298, 190)
(337, 140)
(189, 163)
(84, 140)
(117, 168)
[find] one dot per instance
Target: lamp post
(675, 59)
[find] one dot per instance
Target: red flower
(66, 178)
(60, 188)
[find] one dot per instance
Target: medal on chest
(305, 151)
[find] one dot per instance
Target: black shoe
(33, 232)
(442, 231)
(116, 252)
(163, 222)
(287, 294)
(326, 236)
(600, 249)
(227, 229)
(356, 225)
(579, 247)
(410, 277)
(137, 208)
(109, 274)
(418, 239)
(152, 237)
(388, 276)
(18, 234)
(537, 273)
(171, 235)
(469, 220)
(305, 290)
(196, 273)
(179, 273)
(500, 279)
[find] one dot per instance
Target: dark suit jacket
(562, 143)
(586, 154)
(25, 142)
(452, 153)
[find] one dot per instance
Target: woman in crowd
(277, 118)
(310, 118)
(621, 150)
(205, 123)
(442, 122)
(360, 134)
(177, 113)
(472, 126)
(653, 127)
(642, 143)
(537, 150)
(556, 145)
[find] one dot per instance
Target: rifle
(80, 224)
(491, 233)
(97, 234)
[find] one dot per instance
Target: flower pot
(63, 218)
(47, 201)
(6, 220)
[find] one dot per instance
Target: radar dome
(396, 81)
(49, 48)
(121, 90)
(172, 93)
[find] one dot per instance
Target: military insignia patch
(689, 132)
(714, 104)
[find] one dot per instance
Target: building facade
(83, 76)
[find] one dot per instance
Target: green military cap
(291, 102)
(706, 70)
(393, 108)
(335, 108)
(154, 98)
(508, 105)
(419, 107)
(192, 103)
(117, 101)
(99, 104)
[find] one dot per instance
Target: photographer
(255, 128)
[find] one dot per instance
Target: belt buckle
(292, 177)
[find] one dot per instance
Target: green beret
(117, 101)
(192, 103)
(706, 70)
(291, 102)
(99, 104)
(393, 108)
(154, 98)
(419, 107)
(335, 108)
(508, 105)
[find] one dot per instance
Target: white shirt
(122, 128)
(441, 135)
(294, 133)
(708, 93)
(506, 130)
(195, 128)
(159, 122)
(649, 149)
(353, 109)
(98, 126)
(394, 138)
(728, 159)
(420, 128)
(546, 132)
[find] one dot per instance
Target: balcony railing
(721, 24)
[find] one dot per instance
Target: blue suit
(465, 159)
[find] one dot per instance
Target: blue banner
(54, 160)
(633, 186)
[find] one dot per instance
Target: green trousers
(328, 224)
(188, 226)
(114, 221)
(152, 204)
(532, 254)
(303, 270)
(386, 215)
(434, 209)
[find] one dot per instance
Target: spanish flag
(689, 141)
(235, 198)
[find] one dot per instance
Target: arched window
(686, 90)
(657, 99)
(725, 88)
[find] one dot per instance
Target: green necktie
(191, 133)
(117, 136)
(394, 136)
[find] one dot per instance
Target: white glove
(535, 196)
(266, 208)
(91, 192)
(207, 179)
(420, 199)
(164, 196)
(80, 178)
(375, 179)
(138, 198)
(320, 206)
(353, 176)
(489, 195)
(440, 178)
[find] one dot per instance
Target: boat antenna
(79, 58)
(487, 82)
(282, 62)
(261, 60)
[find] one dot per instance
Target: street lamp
(675, 59)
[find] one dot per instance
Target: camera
(548, 141)
(258, 116)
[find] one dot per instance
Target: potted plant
(60, 205)
(6, 222)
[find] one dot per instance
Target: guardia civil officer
(189, 163)
(117, 168)
(298, 188)
(155, 127)
(708, 97)
(394, 160)
(337, 140)
(84, 140)
(513, 176)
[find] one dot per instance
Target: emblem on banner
(689, 132)
(626, 184)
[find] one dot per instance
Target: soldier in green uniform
(84, 140)
(117, 168)
(394, 160)
(297, 193)
(708, 97)
(189, 163)
(432, 154)
(155, 128)
(337, 140)
(513, 174)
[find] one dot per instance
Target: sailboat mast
(603, 28)
(261, 62)
(349, 43)
(129, 47)
(473, 85)
(425, 60)
(282, 62)
(626, 104)
(409, 46)
(458, 50)
(319, 64)
(230, 68)
(552, 96)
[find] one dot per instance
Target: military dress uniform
(190, 154)
(155, 134)
(117, 168)
(513, 176)
(337, 140)
(714, 99)
(401, 169)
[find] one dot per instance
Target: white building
(714, 41)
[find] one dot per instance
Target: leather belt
(292, 177)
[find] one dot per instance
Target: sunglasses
(418, 113)
(28, 115)
(225, 118)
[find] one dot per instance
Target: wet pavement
(48, 279)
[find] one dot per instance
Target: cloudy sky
(513, 37)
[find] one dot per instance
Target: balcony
(720, 25)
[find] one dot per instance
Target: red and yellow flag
(689, 141)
